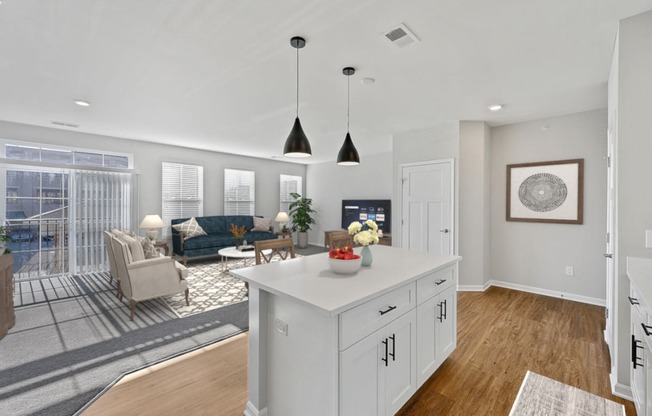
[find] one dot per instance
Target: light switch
(648, 238)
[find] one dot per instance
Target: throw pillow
(135, 248)
(148, 248)
(262, 224)
(190, 228)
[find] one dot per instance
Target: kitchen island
(327, 344)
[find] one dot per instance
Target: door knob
(445, 230)
(609, 256)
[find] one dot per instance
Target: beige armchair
(147, 279)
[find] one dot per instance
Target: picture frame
(549, 192)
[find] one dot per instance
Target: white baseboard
(530, 289)
(620, 390)
(251, 410)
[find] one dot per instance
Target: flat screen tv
(379, 210)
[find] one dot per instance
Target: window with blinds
(289, 185)
(183, 193)
(239, 192)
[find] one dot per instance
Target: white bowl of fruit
(342, 260)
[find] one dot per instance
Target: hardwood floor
(501, 334)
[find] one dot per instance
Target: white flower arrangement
(364, 237)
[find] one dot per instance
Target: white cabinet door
(436, 332)
(426, 339)
(361, 369)
(638, 377)
(446, 336)
(377, 374)
(400, 374)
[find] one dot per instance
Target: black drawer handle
(635, 356)
(441, 311)
(391, 308)
(438, 282)
(633, 301)
(646, 329)
(393, 353)
(386, 358)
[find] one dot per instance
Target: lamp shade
(348, 154)
(297, 144)
(282, 217)
(152, 221)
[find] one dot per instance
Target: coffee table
(234, 253)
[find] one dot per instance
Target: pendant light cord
(297, 82)
(348, 101)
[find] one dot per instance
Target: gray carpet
(75, 338)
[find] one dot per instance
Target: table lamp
(152, 223)
(282, 219)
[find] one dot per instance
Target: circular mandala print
(542, 192)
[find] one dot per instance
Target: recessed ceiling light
(495, 107)
(367, 81)
(82, 103)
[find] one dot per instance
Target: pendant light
(297, 144)
(348, 155)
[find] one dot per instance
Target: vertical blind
(239, 192)
(289, 184)
(183, 193)
(99, 201)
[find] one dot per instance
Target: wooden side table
(284, 234)
(164, 246)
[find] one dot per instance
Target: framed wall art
(546, 191)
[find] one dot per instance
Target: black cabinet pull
(646, 329)
(393, 353)
(438, 282)
(386, 351)
(633, 301)
(635, 357)
(441, 311)
(391, 308)
(445, 309)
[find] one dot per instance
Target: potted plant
(300, 211)
(4, 239)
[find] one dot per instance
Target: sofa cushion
(190, 228)
(239, 220)
(207, 241)
(262, 224)
(213, 225)
(252, 236)
(135, 248)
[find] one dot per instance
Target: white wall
(634, 166)
(328, 184)
(475, 204)
(433, 143)
(149, 156)
(535, 254)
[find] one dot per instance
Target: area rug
(211, 286)
(76, 338)
(539, 396)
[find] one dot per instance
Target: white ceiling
(220, 75)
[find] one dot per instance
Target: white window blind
(100, 201)
(289, 184)
(239, 192)
(183, 193)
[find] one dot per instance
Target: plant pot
(302, 239)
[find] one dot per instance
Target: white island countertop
(639, 271)
(310, 281)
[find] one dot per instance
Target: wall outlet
(570, 271)
(281, 327)
(648, 238)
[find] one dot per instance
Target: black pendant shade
(297, 144)
(348, 155)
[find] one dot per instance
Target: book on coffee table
(246, 248)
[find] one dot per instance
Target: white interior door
(609, 250)
(426, 207)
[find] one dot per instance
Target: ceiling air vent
(64, 124)
(401, 36)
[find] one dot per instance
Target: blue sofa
(218, 235)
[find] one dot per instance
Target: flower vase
(367, 258)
